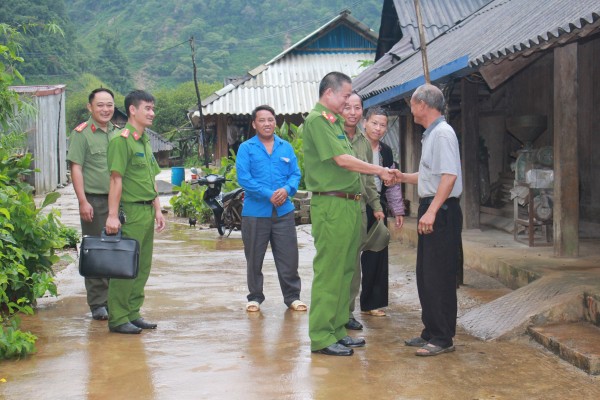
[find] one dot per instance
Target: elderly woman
(374, 295)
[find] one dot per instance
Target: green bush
(188, 203)
(70, 236)
(28, 240)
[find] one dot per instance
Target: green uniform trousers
(126, 296)
(356, 279)
(336, 225)
(96, 288)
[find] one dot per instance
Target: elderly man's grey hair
(430, 95)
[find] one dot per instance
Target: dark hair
(376, 111)
(430, 95)
(101, 89)
(333, 80)
(136, 97)
(354, 92)
(264, 107)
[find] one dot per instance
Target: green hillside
(145, 43)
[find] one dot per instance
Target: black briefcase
(109, 256)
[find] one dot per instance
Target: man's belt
(96, 194)
(343, 195)
(144, 202)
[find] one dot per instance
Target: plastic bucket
(177, 175)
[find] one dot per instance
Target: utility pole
(202, 130)
(423, 42)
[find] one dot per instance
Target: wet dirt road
(208, 347)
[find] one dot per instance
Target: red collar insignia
(93, 128)
(329, 117)
(125, 133)
(136, 135)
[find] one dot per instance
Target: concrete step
(577, 343)
(549, 299)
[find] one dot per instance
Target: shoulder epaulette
(125, 133)
(329, 117)
(81, 127)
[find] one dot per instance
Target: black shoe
(354, 325)
(335, 349)
(127, 327)
(140, 323)
(351, 342)
(100, 313)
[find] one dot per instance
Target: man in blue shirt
(268, 171)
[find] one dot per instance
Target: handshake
(391, 176)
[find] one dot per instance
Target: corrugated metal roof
(157, 142)
(502, 27)
(290, 81)
(438, 16)
(291, 85)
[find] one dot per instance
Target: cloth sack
(109, 256)
(378, 237)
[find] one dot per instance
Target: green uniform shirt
(130, 155)
(362, 150)
(323, 139)
(87, 147)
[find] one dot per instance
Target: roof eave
(455, 67)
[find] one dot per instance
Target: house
(289, 82)
(512, 61)
(46, 136)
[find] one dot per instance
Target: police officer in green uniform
(353, 115)
(133, 190)
(332, 174)
(88, 144)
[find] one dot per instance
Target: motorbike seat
(230, 195)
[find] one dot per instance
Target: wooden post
(566, 171)
(470, 153)
(412, 156)
(221, 142)
(423, 41)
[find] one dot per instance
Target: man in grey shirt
(439, 223)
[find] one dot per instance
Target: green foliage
(69, 235)
(172, 105)
(15, 343)
(189, 203)
(48, 55)
(10, 44)
(293, 134)
(231, 37)
(28, 237)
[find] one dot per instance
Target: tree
(112, 64)
(50, 57)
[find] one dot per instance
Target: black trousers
(438, 255)
(375, 267)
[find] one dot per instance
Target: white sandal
(253, 306)
(298, 305)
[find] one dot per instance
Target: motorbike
(226, 207)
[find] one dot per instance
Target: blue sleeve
(243, 167)
(291, 186)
